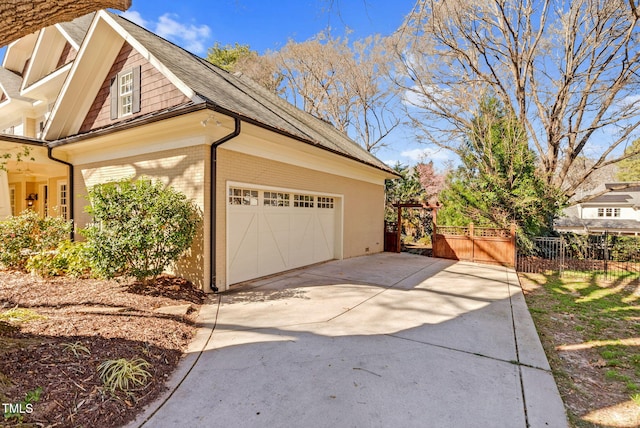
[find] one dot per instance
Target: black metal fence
(571, 254)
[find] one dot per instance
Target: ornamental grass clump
(140, 228)
(123, 374)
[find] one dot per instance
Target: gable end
(151, 91)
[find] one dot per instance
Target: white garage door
(270, 231)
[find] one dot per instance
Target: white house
(617, 211)
(100, 98)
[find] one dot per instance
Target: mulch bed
(112, 320)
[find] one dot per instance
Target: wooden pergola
(412, 204)
(19, 18)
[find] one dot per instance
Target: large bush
(140, 227)
(27, 234)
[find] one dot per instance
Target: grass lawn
(590, 329)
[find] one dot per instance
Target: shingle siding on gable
(157, 92)
(68, 55)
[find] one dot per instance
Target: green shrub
(27, 234)
(69, 258)
(140, 227)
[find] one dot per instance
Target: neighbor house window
(608, 212)
(125, 93)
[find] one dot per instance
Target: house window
(239, 196)
(303, 201)
(276, 199)
(63, 199)
(608, 212)
(325, 202)
(125, 93)
(12, 199)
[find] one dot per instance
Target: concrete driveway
(387, 340)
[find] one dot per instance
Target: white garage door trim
(274, 229)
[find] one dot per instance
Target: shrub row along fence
(572, 254)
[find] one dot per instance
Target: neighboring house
(617, 211)
(101, 98)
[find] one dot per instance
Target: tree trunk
(19, 18)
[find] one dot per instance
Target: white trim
(67, 36)
(187, 91)
(63, 212)
(313, 158)
(73, 112)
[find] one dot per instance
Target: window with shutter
(125, 93)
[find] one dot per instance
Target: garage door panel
(273, 243)
(324, 233)
(243, 249)
(302, 232)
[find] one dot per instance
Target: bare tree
(342, 84)
(567, 69)
(19, 18)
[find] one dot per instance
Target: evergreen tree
(498, 183)
(629, 168)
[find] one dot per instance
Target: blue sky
(197, 25)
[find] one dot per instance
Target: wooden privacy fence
(482, 245)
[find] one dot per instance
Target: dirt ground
(111, 320)
(591, 399)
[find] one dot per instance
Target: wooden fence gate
(482, 245)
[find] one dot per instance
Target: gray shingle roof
(11, 83)
(78, 28)
(247, 99)
(592, 223)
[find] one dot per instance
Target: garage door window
(303, 201)
(239, 196)
(325, 202)
(276, 199)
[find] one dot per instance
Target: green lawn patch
(590, 329)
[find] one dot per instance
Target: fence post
(473, 242)
(562, 248)
(606, 253)
(512, 230)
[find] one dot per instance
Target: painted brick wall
(363, 202)
(183, 169)
(157, 92)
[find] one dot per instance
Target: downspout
(70, 192)
(212, 196)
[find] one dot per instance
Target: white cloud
(134, 17)
(192, 37)
(426, 154)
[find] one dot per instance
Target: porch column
(5, 202)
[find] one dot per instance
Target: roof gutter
(213, 193)
(70, 192)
